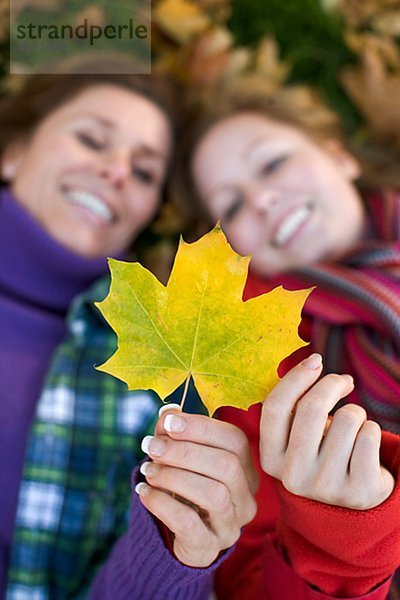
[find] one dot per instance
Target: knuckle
(231, 467)
(333, 379)
(371, 431)
(220, 498)
(325, 490)
(196, 557)
(231, 538)
(360, 499)
(240, 442)
(350, 416)
(188, 522)
(310, 408)
(369, 436)
(292, 482)
(183, 452)
(272, 410)
(270, 465)
(205, 426)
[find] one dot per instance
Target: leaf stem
(185, 391)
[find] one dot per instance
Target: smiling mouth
(91, 202)
(291, 225)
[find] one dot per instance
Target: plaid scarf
(83, 444)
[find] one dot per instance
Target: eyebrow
(143, 148)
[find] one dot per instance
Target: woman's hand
(336, 460)
(200, 483)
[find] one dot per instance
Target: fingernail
(174, 423)
(312, 362)
(152, 445)
(169, 407)
(142, 489)
(349, 378)
(148, 469)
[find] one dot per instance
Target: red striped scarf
(353, 316)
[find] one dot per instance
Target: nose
(261, 198)
(116, 168)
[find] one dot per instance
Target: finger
(277, 410)
(212, 497)
(310, 418)
(335, 453)
(217, 464)
(195, 545)
(373, 482)
(365, 459)
(210, 432)
(337, 445)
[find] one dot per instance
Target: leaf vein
(155, 327)
(231, 377)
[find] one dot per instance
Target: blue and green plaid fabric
(83, 445)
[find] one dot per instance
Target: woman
(283, 187)
(84, 160)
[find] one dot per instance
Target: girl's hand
(200, 483)
(336, 460)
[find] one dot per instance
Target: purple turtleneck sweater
(38, 280)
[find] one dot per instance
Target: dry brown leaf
(376, 93)
(267, 61)
(386, 47)
(361, 13)
(387, 23)
(182, 20)
(210, 56)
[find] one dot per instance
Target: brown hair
(40, 94)
(292, 105)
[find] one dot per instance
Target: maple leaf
(198, 326)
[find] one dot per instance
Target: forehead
(123, 109)
(230, 141)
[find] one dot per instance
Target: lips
(91, 202)
(290, 225)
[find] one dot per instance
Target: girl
(84, 159)
(283, 188)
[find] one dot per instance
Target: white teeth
(92, 203)
(290, 225)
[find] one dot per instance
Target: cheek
(46, 159)
(245, 235)
(143, 209)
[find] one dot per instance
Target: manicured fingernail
(142, 489)
(174, 423)
(168, 407)
(313, 362)
(152, 445)
(148, 469)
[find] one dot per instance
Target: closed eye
(273, 165)
(233, 209)
(144, 175)
(90, 141)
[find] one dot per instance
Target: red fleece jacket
(299, 549)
